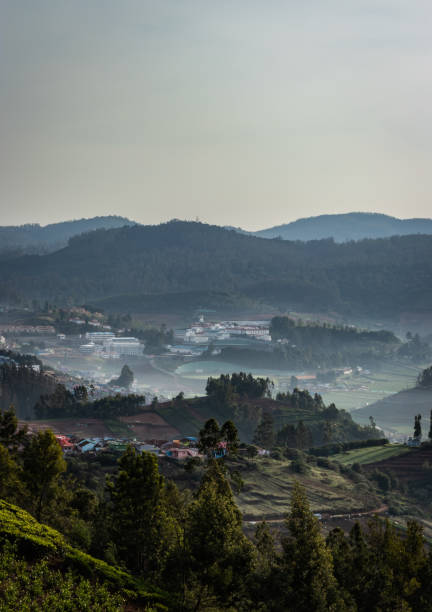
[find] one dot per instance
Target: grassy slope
(268, 484)
(34, 541)
(370, 455)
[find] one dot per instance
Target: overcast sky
(241, 112)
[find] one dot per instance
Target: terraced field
(415, 466)
(372, 454)
(268, 484)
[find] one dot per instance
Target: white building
(87, 349)
(123, 346)
(99, 337)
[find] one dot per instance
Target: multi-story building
(123, 346)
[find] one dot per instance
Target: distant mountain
(196, 263)
(350, 226)
(36, 238)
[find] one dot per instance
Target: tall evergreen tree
(141, 529)
(218, 556)
(264, 433)
(417, 426)
(306, 578)
(430, 426)
(43, 464)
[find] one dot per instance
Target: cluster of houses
(184, 448)
(205, 332)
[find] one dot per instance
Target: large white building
(123, 346)
(99, 337)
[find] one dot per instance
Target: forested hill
(350, 226)
(37, 238)
(384, 276)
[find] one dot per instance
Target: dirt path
(326, 517)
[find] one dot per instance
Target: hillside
(183, 257)
(350, 226)
(61, 571)
(397, 411)
(186, 417)
(36, 238)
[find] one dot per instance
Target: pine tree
(230, 435)
(430, 427)
(141, 529)
(264, 434)
(303, 436)
(43, 464)
(218, 556)
(306, 574)
(10, 435)
(209, 437)
(417, 426)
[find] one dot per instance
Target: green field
(370, 455)
(201, 370)
(359, 391)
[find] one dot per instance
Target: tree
(287, 436)
(306, 578)
(417, 427)
(10, 435)
(218, 556)
(139, 522)
(230, 435)
(43, 464)
(10, 485)
(125, 379)
(264, 433)
(209, 437)
(425, 378)
(303, 436)
(80, 393)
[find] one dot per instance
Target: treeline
(19, 358)
(296, 419)
(341, 447)
(193, 545)
(63, 403)
(286, 357)
(21, 386)
(328, 336)
(229, 387)
(155, 338)
(425, 378)
(377, 277)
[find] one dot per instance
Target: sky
(248, 113)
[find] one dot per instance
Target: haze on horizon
(240, 113)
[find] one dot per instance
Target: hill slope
(397, 411)
(33, 541)
(188, 257)
(350, 226)
(35, 238)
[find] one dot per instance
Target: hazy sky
(239, 112)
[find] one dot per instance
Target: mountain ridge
(181, 256)
(347, 226)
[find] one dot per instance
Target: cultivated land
(372, 454)
(268, 485)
